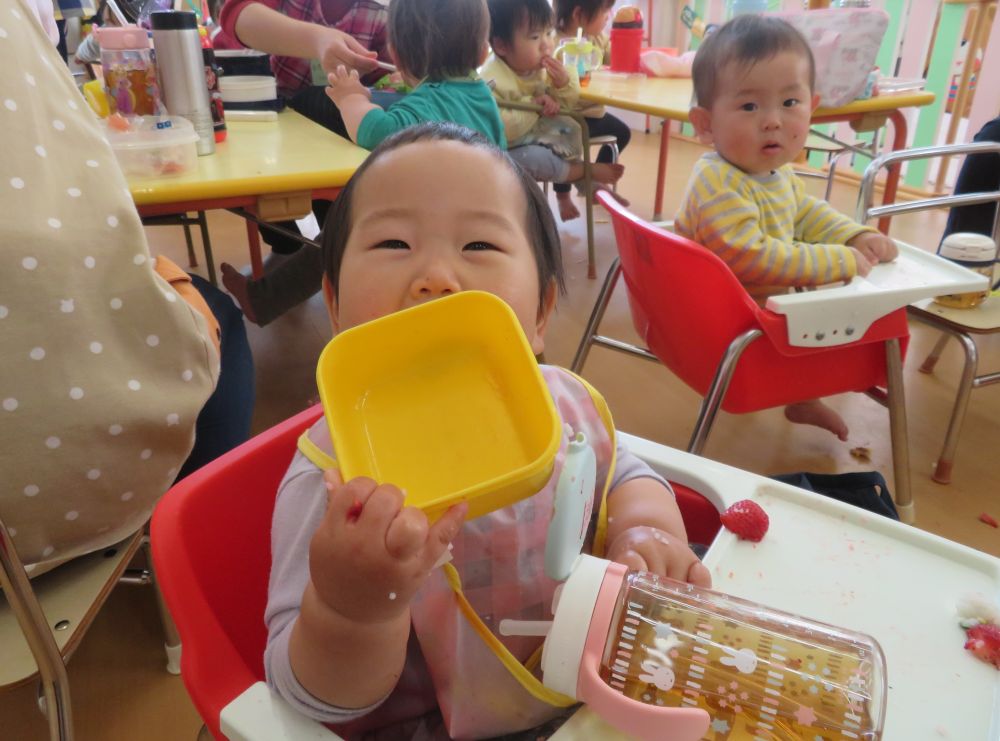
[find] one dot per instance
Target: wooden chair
(42, 621)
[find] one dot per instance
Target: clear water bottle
(661, 660)
(129, 71)
(741, 7)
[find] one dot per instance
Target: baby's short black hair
(438, 39)
(541, 227)
(746, 40)
(506, 16)
(588, 9)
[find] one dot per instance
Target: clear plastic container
(129, 71)
(978, 253)
(662, 660)
(155, 147)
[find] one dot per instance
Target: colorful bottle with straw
(581, 54)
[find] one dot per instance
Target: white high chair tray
(842, 565)
(845, 566)
(841, 314)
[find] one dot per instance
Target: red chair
(697, 319)
(211, 546)
(211, 535)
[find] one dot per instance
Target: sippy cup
(978, 253)
(581, 54)
(664, 660)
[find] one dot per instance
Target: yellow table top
(291, 154)
(670, 97)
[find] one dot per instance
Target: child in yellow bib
(364, 632)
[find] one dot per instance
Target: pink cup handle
(647, 722)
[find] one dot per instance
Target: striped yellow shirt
(770, 232)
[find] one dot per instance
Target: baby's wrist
(365, 611)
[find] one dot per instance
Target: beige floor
(120, 690)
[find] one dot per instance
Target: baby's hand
(344, 83)
(863, 263)
(558, 75)
(650, 549)
(875, 246)
(370, 553)
(550, 106)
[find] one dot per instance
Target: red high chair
(698, 320)
(211, 545)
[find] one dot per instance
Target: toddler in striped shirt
(753, 83)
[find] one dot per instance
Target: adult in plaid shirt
(295, 32)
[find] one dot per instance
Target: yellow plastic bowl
(444, 400)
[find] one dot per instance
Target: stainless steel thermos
(181, 70)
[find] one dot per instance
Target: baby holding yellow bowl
(364, 632)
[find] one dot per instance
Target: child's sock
(567, 207)
(817, 413)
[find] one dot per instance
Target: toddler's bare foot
(236, 283)
(817, 413)
(607, 173)
(567, 207)
(620, 198)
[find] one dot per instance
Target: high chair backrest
(212, 550)
(682, 296)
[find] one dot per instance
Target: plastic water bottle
(740, 7)
(660, 660)
(129, 71)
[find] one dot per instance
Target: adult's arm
(259, 25)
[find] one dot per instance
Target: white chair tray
(845, 566)
(840, 314)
